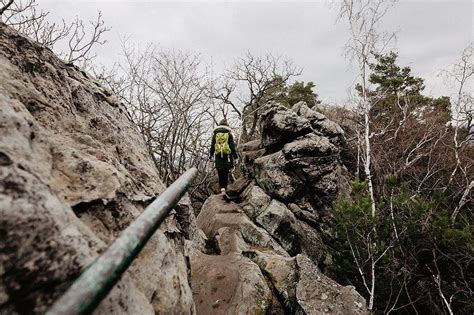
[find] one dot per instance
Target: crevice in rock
(275, 147)
(212, 247)
(82, 207)
(283, 307)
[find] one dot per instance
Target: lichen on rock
(74, 172)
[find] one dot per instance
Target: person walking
(223, 152)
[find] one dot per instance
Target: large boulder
(282, 274)
(310, 145)
(305, 167)
(319, 122)
(249, 152)
(304, 289)
(216, 214)
(318, 294)
(279, 125)
(303, 110)
(228, 284)
(257, 200)
(294, 235)
(273, 175)
(74, 172)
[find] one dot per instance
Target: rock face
(294, 173)
(304, 166)
(74, 172)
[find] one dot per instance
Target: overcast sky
(431, 34)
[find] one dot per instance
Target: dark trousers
(223, 174)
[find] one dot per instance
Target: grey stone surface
(256, 202)
(294, 235)
(272, 175)
(279, 125)
(303, 110)
(305, 165)
(318, 294)
(303, 289)
(228, 284)
(74, 173)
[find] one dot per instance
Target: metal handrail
(98, 279)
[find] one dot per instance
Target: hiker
(223, 151)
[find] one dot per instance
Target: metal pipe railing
(98, 279)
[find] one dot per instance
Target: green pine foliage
(289, 95)
(299, 91)
(391, 78)
(412, 239)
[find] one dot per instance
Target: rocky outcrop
(257, 268)
(304, 289)
(74, 172)
(294, 235)
(304, 166)
(294, 173)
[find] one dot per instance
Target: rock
(279, 126)
(235, 190)
(217, 214)
(283, 275)
(74, 172)
(329, 128)
(309, 216)
(293, 235)
(302, 163)
(253, 145)
(166, 285)
(215, 207)
(249, 152)
(321, 124)
(318, 120)
(272, 176)
(318, 294)
(248, 159)
(229, 284)
(230, 240)
(303, 289)
(257, 200)
(310, 145)
(302, 109)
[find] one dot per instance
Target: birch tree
(364, 17)
(461, 74)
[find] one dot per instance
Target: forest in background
(404, 237)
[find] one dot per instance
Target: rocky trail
(264, 241)
(249, 272)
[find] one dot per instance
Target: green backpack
(222, 143)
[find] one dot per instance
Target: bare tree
(461, 74)
(251, 83)
(167, 93)
(77, 36)
(5, 6)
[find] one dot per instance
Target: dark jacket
(226, 160)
